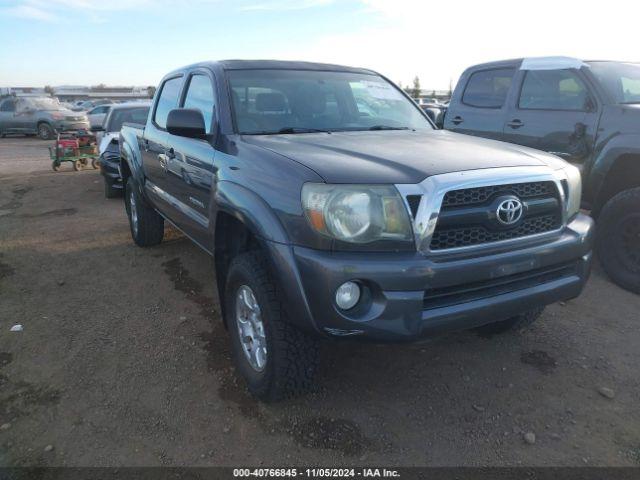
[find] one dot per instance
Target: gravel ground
(123, 361)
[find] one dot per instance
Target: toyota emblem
(509, 211)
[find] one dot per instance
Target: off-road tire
(292, 355)
(109, 191)
(514, 323)
(618, 239)
(45, 132)
(150, 229)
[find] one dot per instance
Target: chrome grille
(472, 196)
(468, 228)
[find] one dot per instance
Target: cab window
(553, 90)
(200, 97)
(488, 88)
(167, 101)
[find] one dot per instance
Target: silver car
(42, 116)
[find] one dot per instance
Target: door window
(200, 97)
(553, 90)
(8, 106)
(167, 101)
(488, 88)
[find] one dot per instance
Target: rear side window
(167, 101)
(200, 96)
(488, 88)
(553, 90)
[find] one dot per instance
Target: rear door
(554, 111)
(153, 144)
(190, 169)
(478, 106)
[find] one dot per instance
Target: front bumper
(410, 296)
(67, 126)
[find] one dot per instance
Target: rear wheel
(147, 225)
(514, 323)
(77, 165)
(275, 358)
(45, 132)
(618, 239)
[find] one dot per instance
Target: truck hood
(381, 157)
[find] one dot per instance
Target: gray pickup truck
(588, 113)
(334, 209)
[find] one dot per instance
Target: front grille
(474, 196)
(470, 214)
(459, 237)
(455, 295)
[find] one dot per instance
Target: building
(69, 93)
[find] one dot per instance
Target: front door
(190, 172)
(554, 112)
(154, 146)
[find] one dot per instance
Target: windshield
(302, 101)
(621, 80)
(42, 103)
(118, 116)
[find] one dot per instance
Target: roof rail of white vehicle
(551, 63)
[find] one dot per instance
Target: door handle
(457, 120)
(515, 123)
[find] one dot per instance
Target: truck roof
(277, 65)
(537, 63)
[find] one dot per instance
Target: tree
(415, 91)
(48, 89)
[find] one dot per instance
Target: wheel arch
(245, 222)
(617, 171)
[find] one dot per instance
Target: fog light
(347, 295)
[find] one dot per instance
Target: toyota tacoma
(588, 113)
(334, 209)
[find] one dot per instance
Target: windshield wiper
(302, 130)
(387, 127)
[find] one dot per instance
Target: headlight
(574, 190)
(57, 116)
(356, 213)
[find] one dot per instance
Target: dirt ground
(123, 360)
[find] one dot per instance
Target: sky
(135, 42)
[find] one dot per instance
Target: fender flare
(131, 157)
(250, 209)
(256, 214)
(618, 146)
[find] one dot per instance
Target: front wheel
(147, 225)
(45, 132)
(514, 323)
(77, 165)
(275, 358)
(618, 239)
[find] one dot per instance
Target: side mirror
(97, 128)
(186, 122)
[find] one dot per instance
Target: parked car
(97, 114)
(324, 222)
(42, 116)
(586, 112)
(108, 133)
